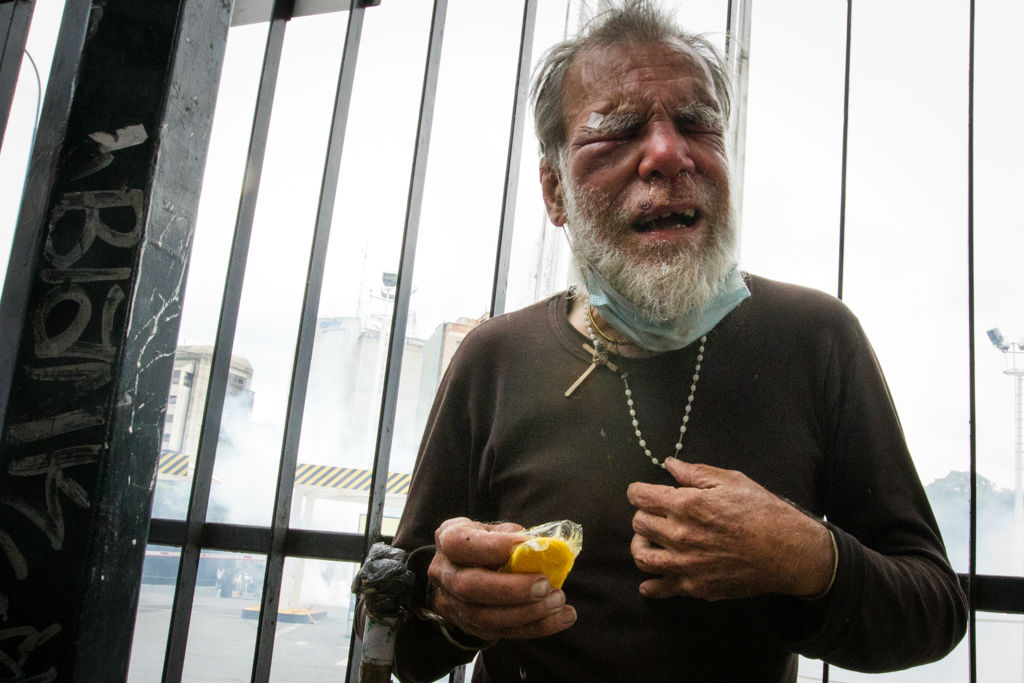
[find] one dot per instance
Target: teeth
(687, 218)
(688, 213)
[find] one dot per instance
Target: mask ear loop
(580, 287)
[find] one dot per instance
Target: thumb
(693, 475)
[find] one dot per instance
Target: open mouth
(668, 221)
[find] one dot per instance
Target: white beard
(664, 280)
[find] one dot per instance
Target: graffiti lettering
(46, 427)
(81, 376)
(93, 226)
(52, 465)
(59, 319)
(74, 332)
(23, 641)
(63, 343)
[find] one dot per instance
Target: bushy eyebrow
(613, 123)
(699, 115)
(690, 115)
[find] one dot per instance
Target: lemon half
(543, 555)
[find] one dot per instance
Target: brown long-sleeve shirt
(790, 394)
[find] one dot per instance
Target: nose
(666, 152)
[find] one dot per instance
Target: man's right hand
(471, 594)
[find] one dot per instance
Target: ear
(551, 186)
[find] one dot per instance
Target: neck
(578, 319)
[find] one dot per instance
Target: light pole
(1013, 365)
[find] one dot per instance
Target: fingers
(721, 535)
(484, 585)
(666, 532)
(671, 578)
(694, 474)
(667, 501)
(662, 500)
(649, 558)
(534, 619)
(465, 542)
(474, 596)
(669, 587)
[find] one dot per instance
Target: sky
(906, 210)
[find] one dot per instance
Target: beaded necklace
(591, 325)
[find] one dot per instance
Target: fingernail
(567, 616)
(556, 599)
(541, 588)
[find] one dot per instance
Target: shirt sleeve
(442, 481)
(895, 602)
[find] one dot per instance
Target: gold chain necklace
(597, 328)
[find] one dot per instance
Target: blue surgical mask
(667, 335)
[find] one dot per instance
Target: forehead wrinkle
(596, 86)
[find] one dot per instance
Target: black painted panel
(102, 272)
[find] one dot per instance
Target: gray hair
(635, 21)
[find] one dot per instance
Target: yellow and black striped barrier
(324, 476)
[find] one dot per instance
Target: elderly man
(727, 442)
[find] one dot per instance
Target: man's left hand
(721, 535)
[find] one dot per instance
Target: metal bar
(15, 19)
(235, 538)
(841, 267)
(188, 567)
(266, 627)
(972, 538)
(392, 372)
(1004, 594)
(738, 59)
(846, 137)
(307, 543)
(520, 105)
(256, 11)
(324, 545)
(29, 232)
(166, 532)
(400, 315)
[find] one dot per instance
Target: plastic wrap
(384, 582)
(551, 549)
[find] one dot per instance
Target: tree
(950, 498)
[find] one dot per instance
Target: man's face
(644, 184)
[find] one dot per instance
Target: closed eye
(699, 118)
(612, 127)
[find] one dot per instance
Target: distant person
(222, 585)
(727, 442)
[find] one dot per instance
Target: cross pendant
(599, 358)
